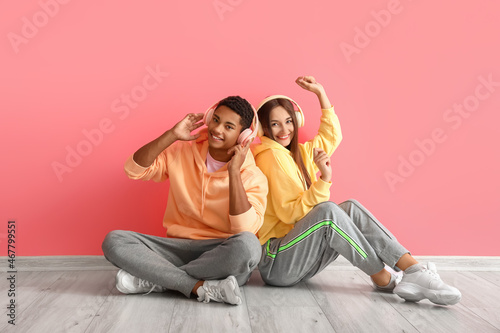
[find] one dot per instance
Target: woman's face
(281, 124)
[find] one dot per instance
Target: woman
(303, 232)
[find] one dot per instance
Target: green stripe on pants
(309, 231)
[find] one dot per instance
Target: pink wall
(398, 73)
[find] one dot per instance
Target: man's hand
(182, 130)
(146, 155)
(238, 199)
(239, 153)
(322, 160)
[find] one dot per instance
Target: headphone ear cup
(208, 116)
(300, 118)
(245, 136)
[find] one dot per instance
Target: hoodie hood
(266, 144)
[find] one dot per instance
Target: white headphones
(299, 114)
(246, 135)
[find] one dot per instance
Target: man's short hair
(241, 107)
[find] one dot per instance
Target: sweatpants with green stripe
(327, 231)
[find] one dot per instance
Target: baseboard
(87, 263)
(443, 263)
(58, 263)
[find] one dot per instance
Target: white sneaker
(126, 283)
(226, 291)
(395, 279)
(426, 283)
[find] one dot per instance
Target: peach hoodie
(198, 201)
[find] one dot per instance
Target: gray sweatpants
(178, 264)
(318, 238)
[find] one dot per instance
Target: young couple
(220, 198)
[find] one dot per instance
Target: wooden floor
(340, 299)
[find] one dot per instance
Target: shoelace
(144, 283)
(215, 293)
(432, 270)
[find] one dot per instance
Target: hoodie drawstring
(204, 186)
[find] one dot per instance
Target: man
(215, 206)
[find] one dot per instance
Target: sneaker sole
(414, 293)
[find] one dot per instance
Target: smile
(216, 138)
(283, 137)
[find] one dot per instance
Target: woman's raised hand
(310, 83)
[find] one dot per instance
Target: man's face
(224, 128)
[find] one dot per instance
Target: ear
(207, 117)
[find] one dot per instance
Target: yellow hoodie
(198, 201)
(288, 199)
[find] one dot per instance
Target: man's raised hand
(182, 130)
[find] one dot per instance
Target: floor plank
(260, 294)
(69, 305)
(493, 277)
(476, 291)
(478, 294)
(283, 309)
(134, 313)
(29, 287)
(428, 317)
(351, 305)
(340, 299)
(298, 319)
(189, 315)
